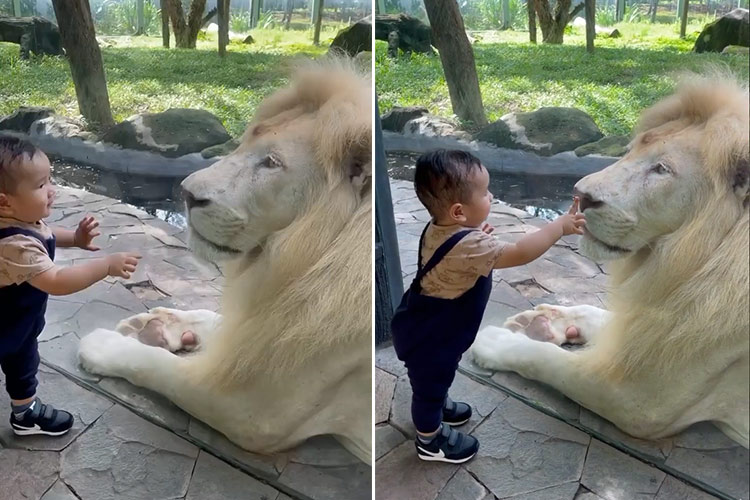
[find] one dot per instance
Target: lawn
(613, 85)
(144, 77)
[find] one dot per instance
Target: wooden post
(506, 15)
(222, 13)
(318, 21)
(164, 23)
(254, 13)
(532, 20)
(79, 40)
(683, 18)
(590, 6)
(619, 10)
(140, 21)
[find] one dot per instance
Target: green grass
(613, 85)
(144, 77)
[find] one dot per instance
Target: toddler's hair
(441, 178)
(12, 151)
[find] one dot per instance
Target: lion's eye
(661, 169)
(271, 161)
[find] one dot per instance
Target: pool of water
(543, 196)
(158, 196)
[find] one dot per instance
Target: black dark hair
(440, 178)
(12, 149)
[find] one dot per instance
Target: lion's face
(647, 194)
(234, 204)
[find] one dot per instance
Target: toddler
(439, 316)
(28, 274)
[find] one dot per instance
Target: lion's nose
(587, 201)
(191, 201)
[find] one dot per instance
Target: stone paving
(130, 443)
(535, 443)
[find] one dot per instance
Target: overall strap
(12, 231)
(441, 252)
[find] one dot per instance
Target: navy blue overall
(430, 335)
(22, 320)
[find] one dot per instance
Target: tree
(79, 40)
(140, 21)
(164, 23)
(289, 9)
(222, 8)
(457, 57)
(186, 33)
(553, 22)
(318, 12)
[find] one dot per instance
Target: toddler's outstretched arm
(67, 280)
(533, 246)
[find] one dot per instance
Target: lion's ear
(741, 180)
(360, 171)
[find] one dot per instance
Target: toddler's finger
(125, 275)
(574, 206)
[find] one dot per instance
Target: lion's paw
(103, 352)
(546, 323)
(160, 327)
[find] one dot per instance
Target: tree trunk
(287, 20)
(457, 57)
(683, 18)
(186, 32)
(532, 20)
(506, 15)
(318, 20)
(222, 12)
(140, 21)
(590, 25)
(78, 37)
(553, 23)
(16, 8)
(655, 7)
(164, 23)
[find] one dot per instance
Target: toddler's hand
(487, 228)
(572, 222)
(122, 264)
(85, 234)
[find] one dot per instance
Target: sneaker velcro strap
(452, 437)
(49, 412)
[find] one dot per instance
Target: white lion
(290, 212)
(672, 215)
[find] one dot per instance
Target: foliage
(143, 77)
(613, 85)
(119, 17)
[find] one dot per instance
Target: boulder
(413, 34)
(220, 149)
(736, 50)
(613, 145)
(172, 133)
(395, 119)
(355, 38)
(61, 127)
(434, 126)
(23, 117)
(546, 131)
(732, 28)
(33, 34)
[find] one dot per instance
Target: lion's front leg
(560, 324)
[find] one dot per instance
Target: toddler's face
(477, 208)
(34, 193)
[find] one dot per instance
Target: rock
(497, 133)
(613, 145)
(548, 131)
(172, 133)
(395, 119)
(61, 127)
(220, 149)
(355, 38)
(33, 34)
(433, 126)
(413, 34)
(736, 50)
(732, 28)
(248, 40)
(580, 22)
(23, 117)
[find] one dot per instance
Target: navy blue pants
(20, 369)
(23, 320)
(430, 335)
